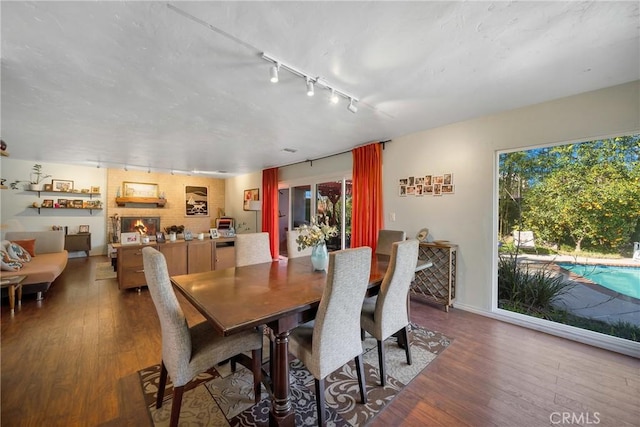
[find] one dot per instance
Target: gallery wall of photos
(427, 185)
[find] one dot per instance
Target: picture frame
(250, 195)
(47, 203)
(83, 229)
(47, 187)
(62, 203)
(77, 204)
(62, 185)
(95, 190)
(213, 233)
(139, 189)
(196, 201)
(160, 237)
(448, 188)
(130, 238)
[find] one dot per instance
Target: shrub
(528, 290)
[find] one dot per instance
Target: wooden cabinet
(130, 266)
(438, 282)
(78, 242)
(176, 256)
(200, 255)
(183, 257)
(225, 254)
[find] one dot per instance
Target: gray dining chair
(189, 351)
(292, 245)
(333, 338)
(252, 248)
(386, 238)
(387, 313)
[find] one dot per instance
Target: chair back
(391, 307)
(292, 245)
(386, 238)
(252, 248)
(176, 338)
(336, 334)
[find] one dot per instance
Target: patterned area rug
(222, 398)
(104, 270)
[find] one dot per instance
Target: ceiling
(183, 86)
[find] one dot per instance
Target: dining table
(281, 295)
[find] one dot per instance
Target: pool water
(625, 280)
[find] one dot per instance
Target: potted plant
(36, 178)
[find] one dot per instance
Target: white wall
(234, 193)
(16, 216)
(468, 150)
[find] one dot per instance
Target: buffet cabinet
(183, 257)
(437, 283)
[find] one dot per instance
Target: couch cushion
(7, 263)
(29, 245)
(18, 252)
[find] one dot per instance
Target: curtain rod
(310, 161)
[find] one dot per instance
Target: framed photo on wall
(62, 185)
(83, 229)
(139, 189)
(249, 196)
(196, 201)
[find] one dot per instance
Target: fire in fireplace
(145, 224)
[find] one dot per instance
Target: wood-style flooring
(72, 360)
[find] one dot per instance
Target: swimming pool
(625, 280)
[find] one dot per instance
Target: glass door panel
(300, 205)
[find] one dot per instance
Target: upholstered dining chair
(387, 313)
(333, 338)
(292, 245)
(252, 248)
(189, 351)
(386, 238)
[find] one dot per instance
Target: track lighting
(311, 81)
(309, 87)
(334, 97)
(274, 73)
(352, 106)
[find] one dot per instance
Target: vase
(320, 257)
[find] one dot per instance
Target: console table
(438, 283)
(78, 242)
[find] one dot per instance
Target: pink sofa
(49, 262)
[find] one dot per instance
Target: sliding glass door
(328, 200)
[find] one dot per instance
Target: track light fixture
(274, 73)
(351, 107)
(310, 81)
(334, 98)
(309, 87)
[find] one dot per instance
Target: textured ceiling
(183, 86)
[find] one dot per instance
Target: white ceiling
(182, 85)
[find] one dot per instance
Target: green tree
(590, 193)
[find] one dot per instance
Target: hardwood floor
(73, 360)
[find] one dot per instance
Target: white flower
(315, 234)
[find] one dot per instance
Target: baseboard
(596, 339)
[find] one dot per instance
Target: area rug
(104, 270)
(223, 398)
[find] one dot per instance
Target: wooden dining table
(282, 295)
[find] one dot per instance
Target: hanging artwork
(196, 200)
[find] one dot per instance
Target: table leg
(19, 294)
(12, 297)
(281, 411)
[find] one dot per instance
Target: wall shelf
(122, 201)
(66, 209)
(65, 192)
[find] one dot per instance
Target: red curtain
(367, 196)
(270, 209)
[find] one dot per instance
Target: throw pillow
(7, 263)
(29, 245)
(18, 252)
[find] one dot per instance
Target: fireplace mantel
(122, 201)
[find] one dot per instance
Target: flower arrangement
(315, 234)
